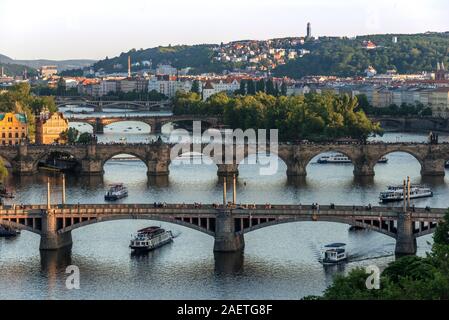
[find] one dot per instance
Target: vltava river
(279, 262)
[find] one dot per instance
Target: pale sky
(56, 29)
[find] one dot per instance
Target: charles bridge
(91, 158)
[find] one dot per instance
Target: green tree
(260, 85)
(3, 171)
(283, 89)
(250, 87)
(195, 87)
(85, 138)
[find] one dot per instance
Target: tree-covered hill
(198, 57)
(347, 57)
(12, 69)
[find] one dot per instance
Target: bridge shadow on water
(52, 262)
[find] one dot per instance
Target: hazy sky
(57, 29)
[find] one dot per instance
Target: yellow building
(49, 127)
(13, 128)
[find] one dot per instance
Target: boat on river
(116, 192)
(396, 193)
(341, 158)
(7, 232)
(334, 253)
(151, 238)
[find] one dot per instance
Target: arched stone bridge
(226, 224)
(412, 123)
(155, 122)
(24, 159)
(98, 105)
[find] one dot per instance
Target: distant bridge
(412, 123)
(226, 224)
(155, 122)
(99, 105)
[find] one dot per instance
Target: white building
(165, 69)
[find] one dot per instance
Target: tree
(61, 87)
(260, 85)
(195, 87)
(3, 171)
(85, 138)
(283, 89)
(242, 89)
(250, 87)
(269, 87)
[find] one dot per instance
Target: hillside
(12, 69)
(328, 56)
(347, 57)
(198, 57)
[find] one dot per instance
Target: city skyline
(109, 28)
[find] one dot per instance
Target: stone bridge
(98, 105)
(155, 122)
(227, 224)
(24, 159)
(412, 123)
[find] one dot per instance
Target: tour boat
(334, 253)
(341, 158)
(396, 193)
(151, 238)
(116, 192)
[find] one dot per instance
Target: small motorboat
(334, 253)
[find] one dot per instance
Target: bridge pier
(228, 170)
(296, 169)
(158, 168)
(433, 168)
(92, 165)
(156, 128)
(24, 164)
(226, 239)
(51, 239)
(405, 240)
(363, 168)
(99, 126)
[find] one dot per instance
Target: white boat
(341, 158)
(334, 253)
(116, 192)
(396, 193)
(150, 239)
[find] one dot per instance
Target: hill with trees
(328, 56)
(348, 57)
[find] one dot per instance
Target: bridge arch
(46, 154)
(139, 217)
(124, 152)
(19, 226)
(320, 219)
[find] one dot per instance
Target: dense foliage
(18, 99)
(3, 171)
(347, 57)
(198, 57)
(328, 56)
(313, 116)
(407, 278)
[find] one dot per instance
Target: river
(279, 262)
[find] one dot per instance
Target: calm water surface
(279, 262)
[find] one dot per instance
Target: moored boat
(334, 253)
(151, 238)
(116, 192)
(396, 193)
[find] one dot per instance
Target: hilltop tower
(309, 30)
